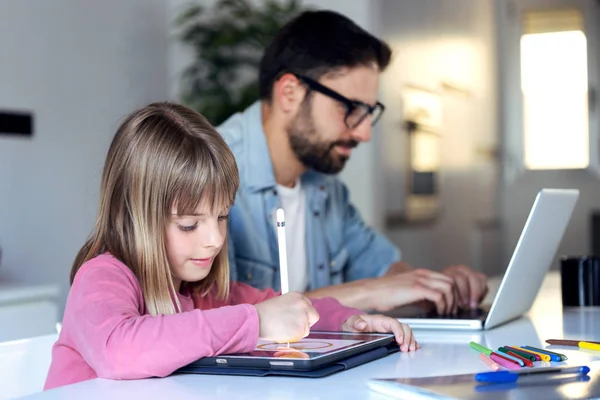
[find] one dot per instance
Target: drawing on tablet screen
(314, 345)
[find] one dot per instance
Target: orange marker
(489, 362)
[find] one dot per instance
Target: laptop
(529, 264)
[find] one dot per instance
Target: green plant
(227, 41)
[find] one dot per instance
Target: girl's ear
(288, 93)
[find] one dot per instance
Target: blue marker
(553, 356)
(515, 359)
(512, 376)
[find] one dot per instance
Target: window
(554, 83)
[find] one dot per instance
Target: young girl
(150, 288)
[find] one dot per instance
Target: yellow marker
(544, 357)
(589, 346)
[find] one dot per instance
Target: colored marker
(537, 356)
(489, 362)
(524, 354)
(562, 342)
(527, 362)
(495, 356)
(512, 358)
(480, 348)
(505, 362)
(553, 356)
(513, 376)
(589, 346)
(544, 357)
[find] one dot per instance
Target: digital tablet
(314, 351)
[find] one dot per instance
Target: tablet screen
(317, 344)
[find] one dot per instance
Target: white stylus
(283, 268)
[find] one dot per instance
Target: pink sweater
(108, 333)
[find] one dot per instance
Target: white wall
(80, 67)
(437, 42)
(519, 187)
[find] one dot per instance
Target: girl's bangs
(203, 180)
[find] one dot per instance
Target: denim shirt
(340, 247)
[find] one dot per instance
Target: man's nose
(362, 133)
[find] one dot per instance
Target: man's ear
(288, 93)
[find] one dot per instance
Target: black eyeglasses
(356, 111)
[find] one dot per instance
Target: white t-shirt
(293, 202)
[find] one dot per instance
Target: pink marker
(504, 362)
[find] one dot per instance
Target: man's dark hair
(316, 43)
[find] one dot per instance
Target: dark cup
(580, 281)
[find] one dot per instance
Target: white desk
(441, 354)
(24, 365)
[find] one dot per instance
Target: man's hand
(471, 285)
(391, 291)
(403, 285)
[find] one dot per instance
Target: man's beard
(310, 150)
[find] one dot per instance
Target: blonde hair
(162, 155)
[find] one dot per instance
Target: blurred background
(487, 101)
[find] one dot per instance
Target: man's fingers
(475, 290)
(457, 300)
(485, 292)
(427, 273)
(484, 284)
(476, 284)
(462, 284)
(443, 287)
(448, 287)
(433, 295)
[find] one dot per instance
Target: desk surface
(442, 353)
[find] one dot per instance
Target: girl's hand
(286, 318)
(383, 324)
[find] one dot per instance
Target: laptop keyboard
(475, 313)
